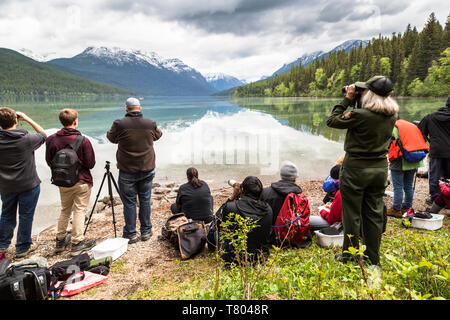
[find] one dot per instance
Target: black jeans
(438, 167)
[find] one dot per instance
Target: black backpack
(64, 165)
(26, 282)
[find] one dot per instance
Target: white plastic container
(434, 223)
(325, 240)
(111, 247)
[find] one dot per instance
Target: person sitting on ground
(443, 200)
(333, 213)
(331, 184)
(76, 198)
(276, 193)
(245, 201)
(194, 199)
(19, 181)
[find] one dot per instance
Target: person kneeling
(194, 199)
(245, 203)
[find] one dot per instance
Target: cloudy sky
(244, 38)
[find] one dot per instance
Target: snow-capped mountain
(221, 81)
(310, 57)
(37, 57)
(145, 72)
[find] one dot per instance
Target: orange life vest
(410, 137)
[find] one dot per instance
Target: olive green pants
(362, 191)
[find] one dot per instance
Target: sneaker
(61, 245)
(145, 237)
(394, 213)
(133, 240)
(22, 254)
(81, 247)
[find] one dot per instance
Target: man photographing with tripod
(135, 135)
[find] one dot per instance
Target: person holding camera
(245, 201)
(364, 172)
(135, 135)
(435, 128)
(19, 181)
(76, 197)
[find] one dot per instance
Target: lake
(224, 139)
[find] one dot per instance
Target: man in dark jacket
(277, 192)
(364, 172)
(435, 128)
(245, 202)
(19, 181)
(135, 135)
(75, 198)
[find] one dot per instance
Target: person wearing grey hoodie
(19, 181)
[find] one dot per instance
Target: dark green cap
(381, 85)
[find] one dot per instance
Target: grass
(414, 265)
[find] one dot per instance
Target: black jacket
(258, 210)
(276, 193)
(196, 203)
(435, 128)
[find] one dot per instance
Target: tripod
(110, 177)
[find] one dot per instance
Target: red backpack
(292, 224)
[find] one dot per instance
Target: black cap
(381, 85)
(334, 172)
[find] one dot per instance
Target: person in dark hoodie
(19, 181)
(245, 202)
(435, 128)
(277, 192)
(76, 198)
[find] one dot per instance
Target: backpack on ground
(292, 223)
(25, 282)
(187, 235)
(62, 270)
(191, 238)
(65, 165)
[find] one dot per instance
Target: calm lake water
(223, 139)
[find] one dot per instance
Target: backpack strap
(77, 143)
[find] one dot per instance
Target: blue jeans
(130, 186)
(26, 201)
(403, 181)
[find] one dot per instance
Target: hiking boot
(61, 245)
(133, 240)
(145, 237)
(394, 213)
(81, 247)
(22, 254)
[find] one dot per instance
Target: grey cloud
(336, 11)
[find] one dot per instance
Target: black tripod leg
(95, 203)
(112, 201)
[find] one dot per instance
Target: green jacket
(368, 135)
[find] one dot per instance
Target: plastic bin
(434, 223)
(111, 247)
(325, 240)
